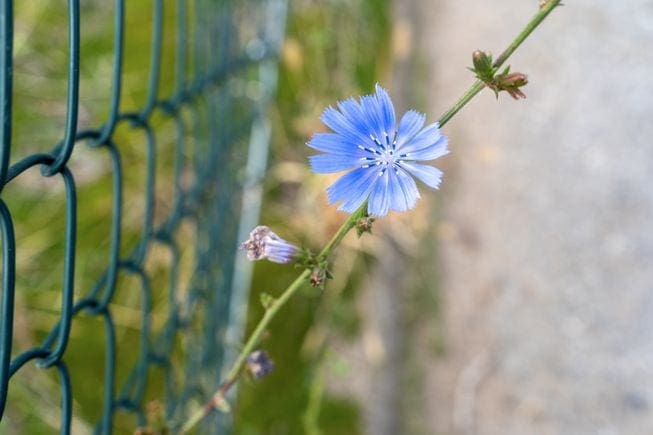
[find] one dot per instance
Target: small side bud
(504, 81)
(318, 277)
(259, 364)
(320, 274)
(482, 66)
(267, 300)
(364, 225)
(512, 83)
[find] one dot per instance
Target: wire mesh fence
(182, 169)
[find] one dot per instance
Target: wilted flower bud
(259, 364)
(317, 278)
(264, 243)
(364, 225)
(514, 79)
(511, 84)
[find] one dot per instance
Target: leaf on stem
(267, 300)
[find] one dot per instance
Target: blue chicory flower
(264, 243)
(382, 155)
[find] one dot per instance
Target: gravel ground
(547, 240)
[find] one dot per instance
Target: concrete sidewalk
(547, 241)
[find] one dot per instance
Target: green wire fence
(224, 79)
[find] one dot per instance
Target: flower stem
(218, 398)
(254, 339)
(544, 11)
(315, 395)
(471, 93)
(342, 231)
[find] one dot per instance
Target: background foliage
(334, 49)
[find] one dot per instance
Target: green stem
(253, 341)
(342, 231)
(544, 11)
(270, 314)
(471, 92)
(315, 394)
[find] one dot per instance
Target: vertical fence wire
(213, 113)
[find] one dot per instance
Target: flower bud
(514, 79)
(264, 243)
(317, 278)
(511, 84)
(364, 225)
(259, 364)
(483, 65)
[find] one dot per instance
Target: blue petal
(279, 251)
(335, 144)
(373, 115)
(430, 152)
(387, 111)
(356, 115)
(408, 187)
(379, 198)
(366, 115)
(396, 195)
(337, 122)
(429, 144)
(361, 191)
(411, 123)
(353, 187)
(329, 163)
(428, 136)
(427, 174)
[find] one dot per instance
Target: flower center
(387, 157)
(381, 152)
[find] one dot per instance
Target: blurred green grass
(334, 49)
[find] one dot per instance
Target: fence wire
(224, 78)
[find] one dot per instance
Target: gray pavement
(546, 242)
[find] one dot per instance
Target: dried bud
(264, 243)
(514, 79)
(318, 278)
(364, 225)
(511, 84)
(259, 364)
